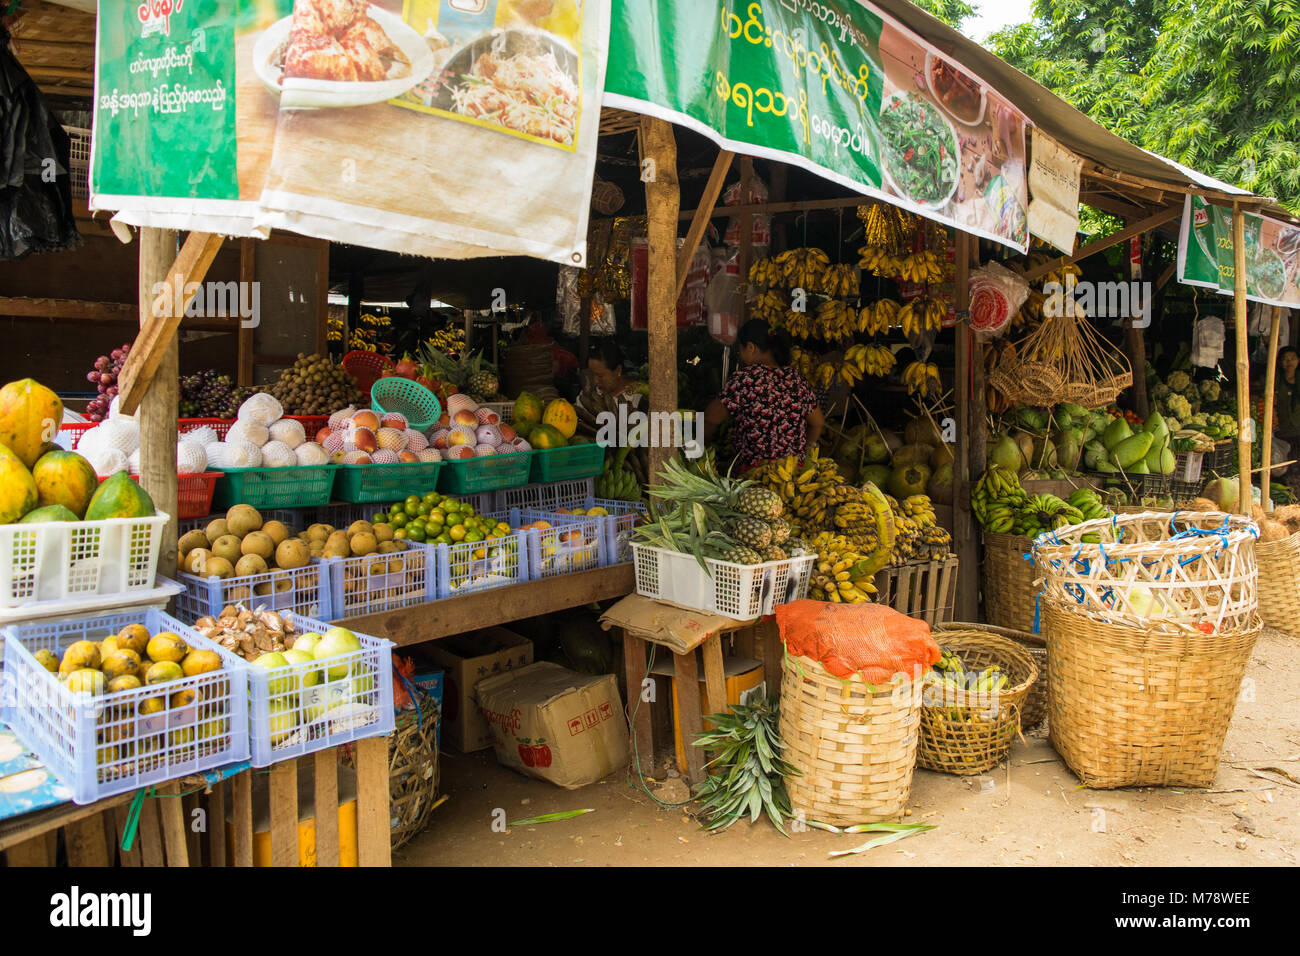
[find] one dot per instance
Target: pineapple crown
(457, 371)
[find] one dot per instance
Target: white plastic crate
(619, 524)
(546, 497)
(505, 410)
(741, 591)
(469, 566)
(293, 517)
(302, 590)
(312, 706)
(573, 543)
(54, 560)
(79, 161)
(99, 746)
(381, 582)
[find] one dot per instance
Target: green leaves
(749, 770)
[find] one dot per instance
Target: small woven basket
(853, 744)
(1136, 707)
(1279, 583)
(1009, 589)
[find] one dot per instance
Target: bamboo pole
(1244, 432)
(158, 405)
(663, 203)
(1270, 383)
(963, 466)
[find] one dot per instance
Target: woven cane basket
(853, 745)
(1130, 706)
(1279, 583)
(1008, 582)
(412, 769)
(967, 731)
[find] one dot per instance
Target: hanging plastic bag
(996, 294)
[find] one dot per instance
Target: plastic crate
(387, 483)
(78, 161)
(547, 497)
(220, 425)
(381, 582)
(505, 410)
(469, 566)
(193, 493)
(311, 424)
(573, 543)
(302, 590)
(619, 524)
(1220, 460)
(54, 560)
(296, 487)
(565, 464)
(741, 591)
(100, 746)
(366, 367)
(317, 705)
(290, 516)
(489, 473)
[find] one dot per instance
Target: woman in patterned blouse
(772, 406)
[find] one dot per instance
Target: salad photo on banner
(838, 88)
(444, 128)
(1206, 255)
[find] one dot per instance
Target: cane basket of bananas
(973, 699)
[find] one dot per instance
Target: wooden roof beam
(1137, 229)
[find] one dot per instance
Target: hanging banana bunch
(887, 227)
(803, 362)
(841, 281)
(878, 318)
(922, 380)
(921, 267)
(803, 268)
(922, 314)
(837, 321)
(879, 360)
(763, 273)
(798, 324)
(770, 305)
(880, 262)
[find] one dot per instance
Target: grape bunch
(206, 394)
(104, 377)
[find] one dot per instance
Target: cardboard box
(467, 659)
(744, 682)
(555, 724)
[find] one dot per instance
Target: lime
(399, 520)
(430, 499)
(411, 501)
(423, 508)
(415, 532)
(399, 534)
(443, 538)
(473, 536)
(457, 532)
(379, 518)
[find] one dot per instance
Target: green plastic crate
(301, 486)
(367, 483)
(484, 474)
(565, 464)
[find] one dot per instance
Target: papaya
(65, 478)
(17, 487)
(1117, 431)
(546, 436)
(523, 429)
(1132, 450)
(119, 497)
(528, 408)
(580, 440)
(48, 513)
(560, 415)
(1155, 424)
(30, 415)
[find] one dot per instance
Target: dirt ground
(1032, 812)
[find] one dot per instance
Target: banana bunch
(1058, 274)
(841, 280)
(1089, 504)
(950, 686)
(1044, 513)
(921, 267)
(875, 360)
(996, 499)
(798, 485)
(764, 273)
(842, 574)
(922, 314)
(827, 374)
(803, 268)
(803, 362)
(880, 262)
(886, 226)
(922, 380)
(770, 305)
(837, 321)
(879, 317)
(798, 324)
(920, 509)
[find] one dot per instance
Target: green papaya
(1152, 457)
(48, 513)
(1155, 424)
(1167, 462)
(1139, 468)
(1117, 431)
(1106, 467)
(119, 497)
(1131, 450)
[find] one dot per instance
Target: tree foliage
(951, 12)
(1213, 84)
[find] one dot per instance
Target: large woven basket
(964, 731)
(1008, 582)
(1279, 583)
(1132, 707)
(853, 744)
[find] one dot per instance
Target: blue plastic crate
(100, 746)
(573, 543)
(304, 591)
(469, 566)
(381, 582)
(293, 517)
(619, 524)
(546, 497)
(302, 708)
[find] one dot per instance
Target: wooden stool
(643, 621)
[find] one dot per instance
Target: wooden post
(1270, 383)
(247, 344)
(374, 836)
(663, 202)
(708, 202)
(158, 408)
(963, 467)
(1135, 341)
(1243, 357)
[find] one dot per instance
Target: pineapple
(759, 502)
(750, 533)
(773, 553)
(469, 373)
(780, 532)
(482, 382)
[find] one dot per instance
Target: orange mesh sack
(871, 641)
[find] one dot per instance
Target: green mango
(1117, 431)
(1132, 450)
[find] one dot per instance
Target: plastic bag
(996, 294)
(866, 640)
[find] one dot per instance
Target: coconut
(878, 475)
(922, 431)
(1270, 530)
(939, 487)
(874, 449)
(1004, 451)
(907, 480)
(913, 455)
(1226, 492)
